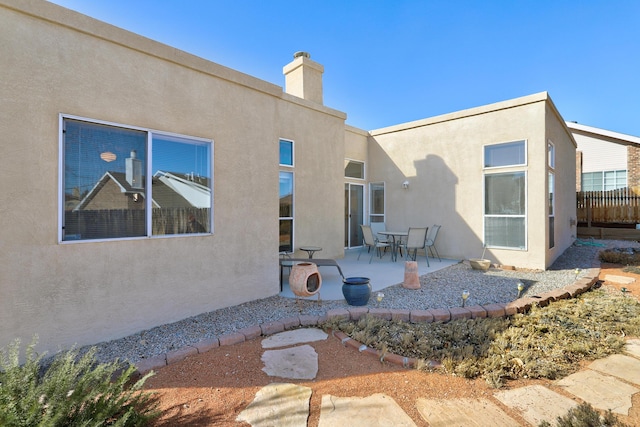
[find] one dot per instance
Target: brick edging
(521, 305)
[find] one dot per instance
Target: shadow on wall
(436, 186)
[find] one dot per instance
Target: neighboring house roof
(169, 189)
(602, 134)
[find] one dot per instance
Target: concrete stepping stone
(463, 413)
(622, 280)
(536, 403)
(600, 391)
(300, 363)
(377, 410)
(284, 405)
(619, 365)
(293, 337)
(633, 347)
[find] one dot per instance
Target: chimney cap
(301, 54)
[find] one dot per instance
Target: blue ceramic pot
(356, 290)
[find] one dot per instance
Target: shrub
(73, 390)
(623, 256)
(584, 415)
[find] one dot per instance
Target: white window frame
(364, 169)
(293, 153)
(289, 169)
(551, 189)
(148, 179)
(384, 202)
(602, 179)
(512, 168)
(484, 153)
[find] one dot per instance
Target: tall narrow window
(505, 210)
(286, 196)
(552, 190)
(115, 185)
(505, 205)
(286, 212)
(376, 202)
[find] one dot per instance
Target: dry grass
(622, 256)
(544, 343)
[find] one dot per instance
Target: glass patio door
(353, 214)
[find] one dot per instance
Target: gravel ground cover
(441, 289)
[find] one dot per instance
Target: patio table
(395, 243)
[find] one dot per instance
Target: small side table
(310, 250)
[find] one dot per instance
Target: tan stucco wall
(441, 158)
(565, 183)
(56, 61)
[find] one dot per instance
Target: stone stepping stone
(600, 391)
(300, 363)
(619, 365)
(633, 347)
(284, 405)
(463, 412)
(536, 403)
(377, 410)
(622, 280)
(293, 337)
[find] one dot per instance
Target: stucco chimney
(303, 77)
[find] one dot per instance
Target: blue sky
(390, 62)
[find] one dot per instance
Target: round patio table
(310, 250)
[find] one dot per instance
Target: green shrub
(584, 415)
(73, 390)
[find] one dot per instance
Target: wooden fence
(620, 206)
(117, 223)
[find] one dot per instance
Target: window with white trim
(120, 182)
(604, 180)
(353, 169)
(551, 163)
(376, 202)
(505, 206)
(286, 196)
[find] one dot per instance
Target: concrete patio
(382, 273)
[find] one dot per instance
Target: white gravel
(441, 289)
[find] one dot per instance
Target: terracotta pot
(304, 279)
(411, 278)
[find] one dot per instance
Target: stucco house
(274, 170)
(605, 160)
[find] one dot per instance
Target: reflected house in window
(180, 202)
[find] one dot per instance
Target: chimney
(303, 77)
(133, 171)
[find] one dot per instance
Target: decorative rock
(411, 278)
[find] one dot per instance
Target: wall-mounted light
(405, 185)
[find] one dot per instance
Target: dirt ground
(211, 389)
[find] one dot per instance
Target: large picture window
(121, 182)
(505, 210)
